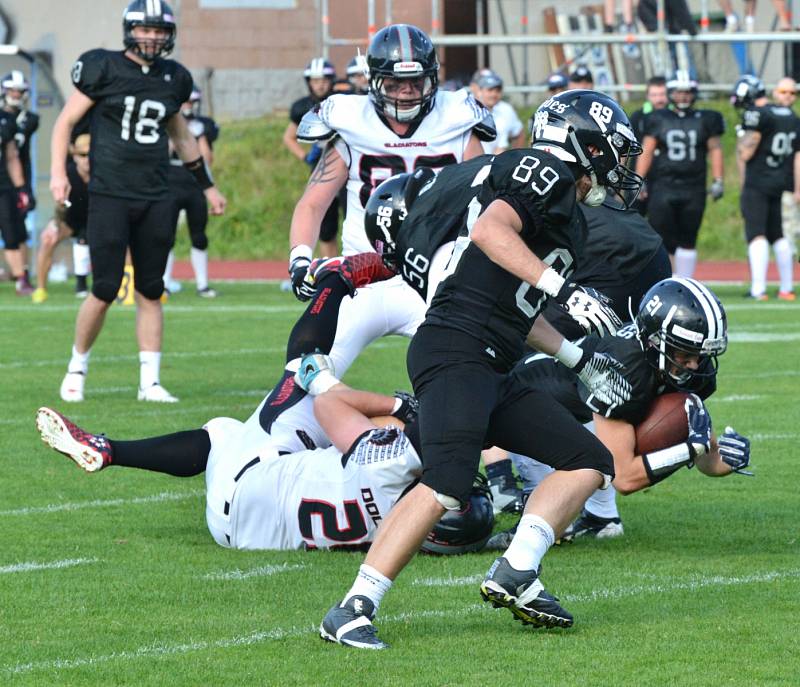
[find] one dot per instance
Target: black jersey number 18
(147, 123)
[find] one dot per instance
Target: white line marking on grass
(737, 397)
(164, 496)
(446, 581)
(762, 375)
(733, 307)
(761, 337)
(157, 651)
(772, 437)
(53, 565)
(262, 571)
(267, 309)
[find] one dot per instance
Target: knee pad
(199, 240)
(105, 290)
(450, 482)
(151, 290)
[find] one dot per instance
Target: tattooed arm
(328, 177)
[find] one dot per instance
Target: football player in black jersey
(679, 330)
(13, 204)
(767, 152)
(655, 99)
(520, 239)
(188, 196)
(320, 76)
(69, 221)
(135, 97)
(683, 139)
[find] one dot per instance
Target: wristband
(300, 251)
(398, 403)
(197, 168)
(661, 464)
(550, 282)
(322, 383)
(569, 354)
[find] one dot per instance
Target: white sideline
(53, 565)
(157, 651)
(299, 307)
(100, 503)
(261, 571)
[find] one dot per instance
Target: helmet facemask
(389, 100)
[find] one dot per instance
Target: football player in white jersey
(404, 123)
(268, 491)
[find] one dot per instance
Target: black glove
(717, 189)
(298, 269)
(734, 449)
(699, 439)
(409, 407)
(589, 308)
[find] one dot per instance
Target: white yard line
(261, 571)
(737, 397)
(163, 497)
(52, 565)
(668, 585)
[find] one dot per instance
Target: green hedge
(263, 181)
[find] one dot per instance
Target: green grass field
(113, 579)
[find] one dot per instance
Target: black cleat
(590, 525)
(350, 624)
(501, 540)
(507, 496)
(523, 594)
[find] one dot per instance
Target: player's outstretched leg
(350, 623)
(92, 452)
(524, 595)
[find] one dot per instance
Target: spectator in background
(581, 77)
(732, 19)
(655, 99)
(610, 19)
(557, 83)
(320, 76)
(677, 16)
(487, 87)
(69, 222)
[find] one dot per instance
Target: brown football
(665, 424)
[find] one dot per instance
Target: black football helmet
(569, 123)
(747, 90)
(467, 529)
(684, 315)
(15, 81)
(386, 209)
(681, 80)
(149, 13)
(402, 51)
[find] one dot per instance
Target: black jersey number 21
(146, 124)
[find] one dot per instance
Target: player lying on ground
(673, 345)
(257, 495)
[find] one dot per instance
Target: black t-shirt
(8, 130)
(129, 150)
(646, 382)
(300, 107)
(771, 169)
(482, 299)
(436, 217)
(78, 211)
(682, 149)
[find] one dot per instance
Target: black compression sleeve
(183, 454)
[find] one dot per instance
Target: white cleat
(156, 394)
(72, 387)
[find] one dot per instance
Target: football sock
(502, 468)
(370, 583)
(168, 268)
(199, 260)
(81, 259)
(316, 328)
(529, 545)
(79, 362)
(149, 368)
(603, 503)
(685, 261)
(783, 257)
(80, 283)
(183, 454)
(531, 471)
(758, 254)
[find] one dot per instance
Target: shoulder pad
(312, 128)
(486, 130)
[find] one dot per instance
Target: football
(665, 424)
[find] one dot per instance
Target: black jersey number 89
(146, 126)
(524, 171)
(394, 164)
